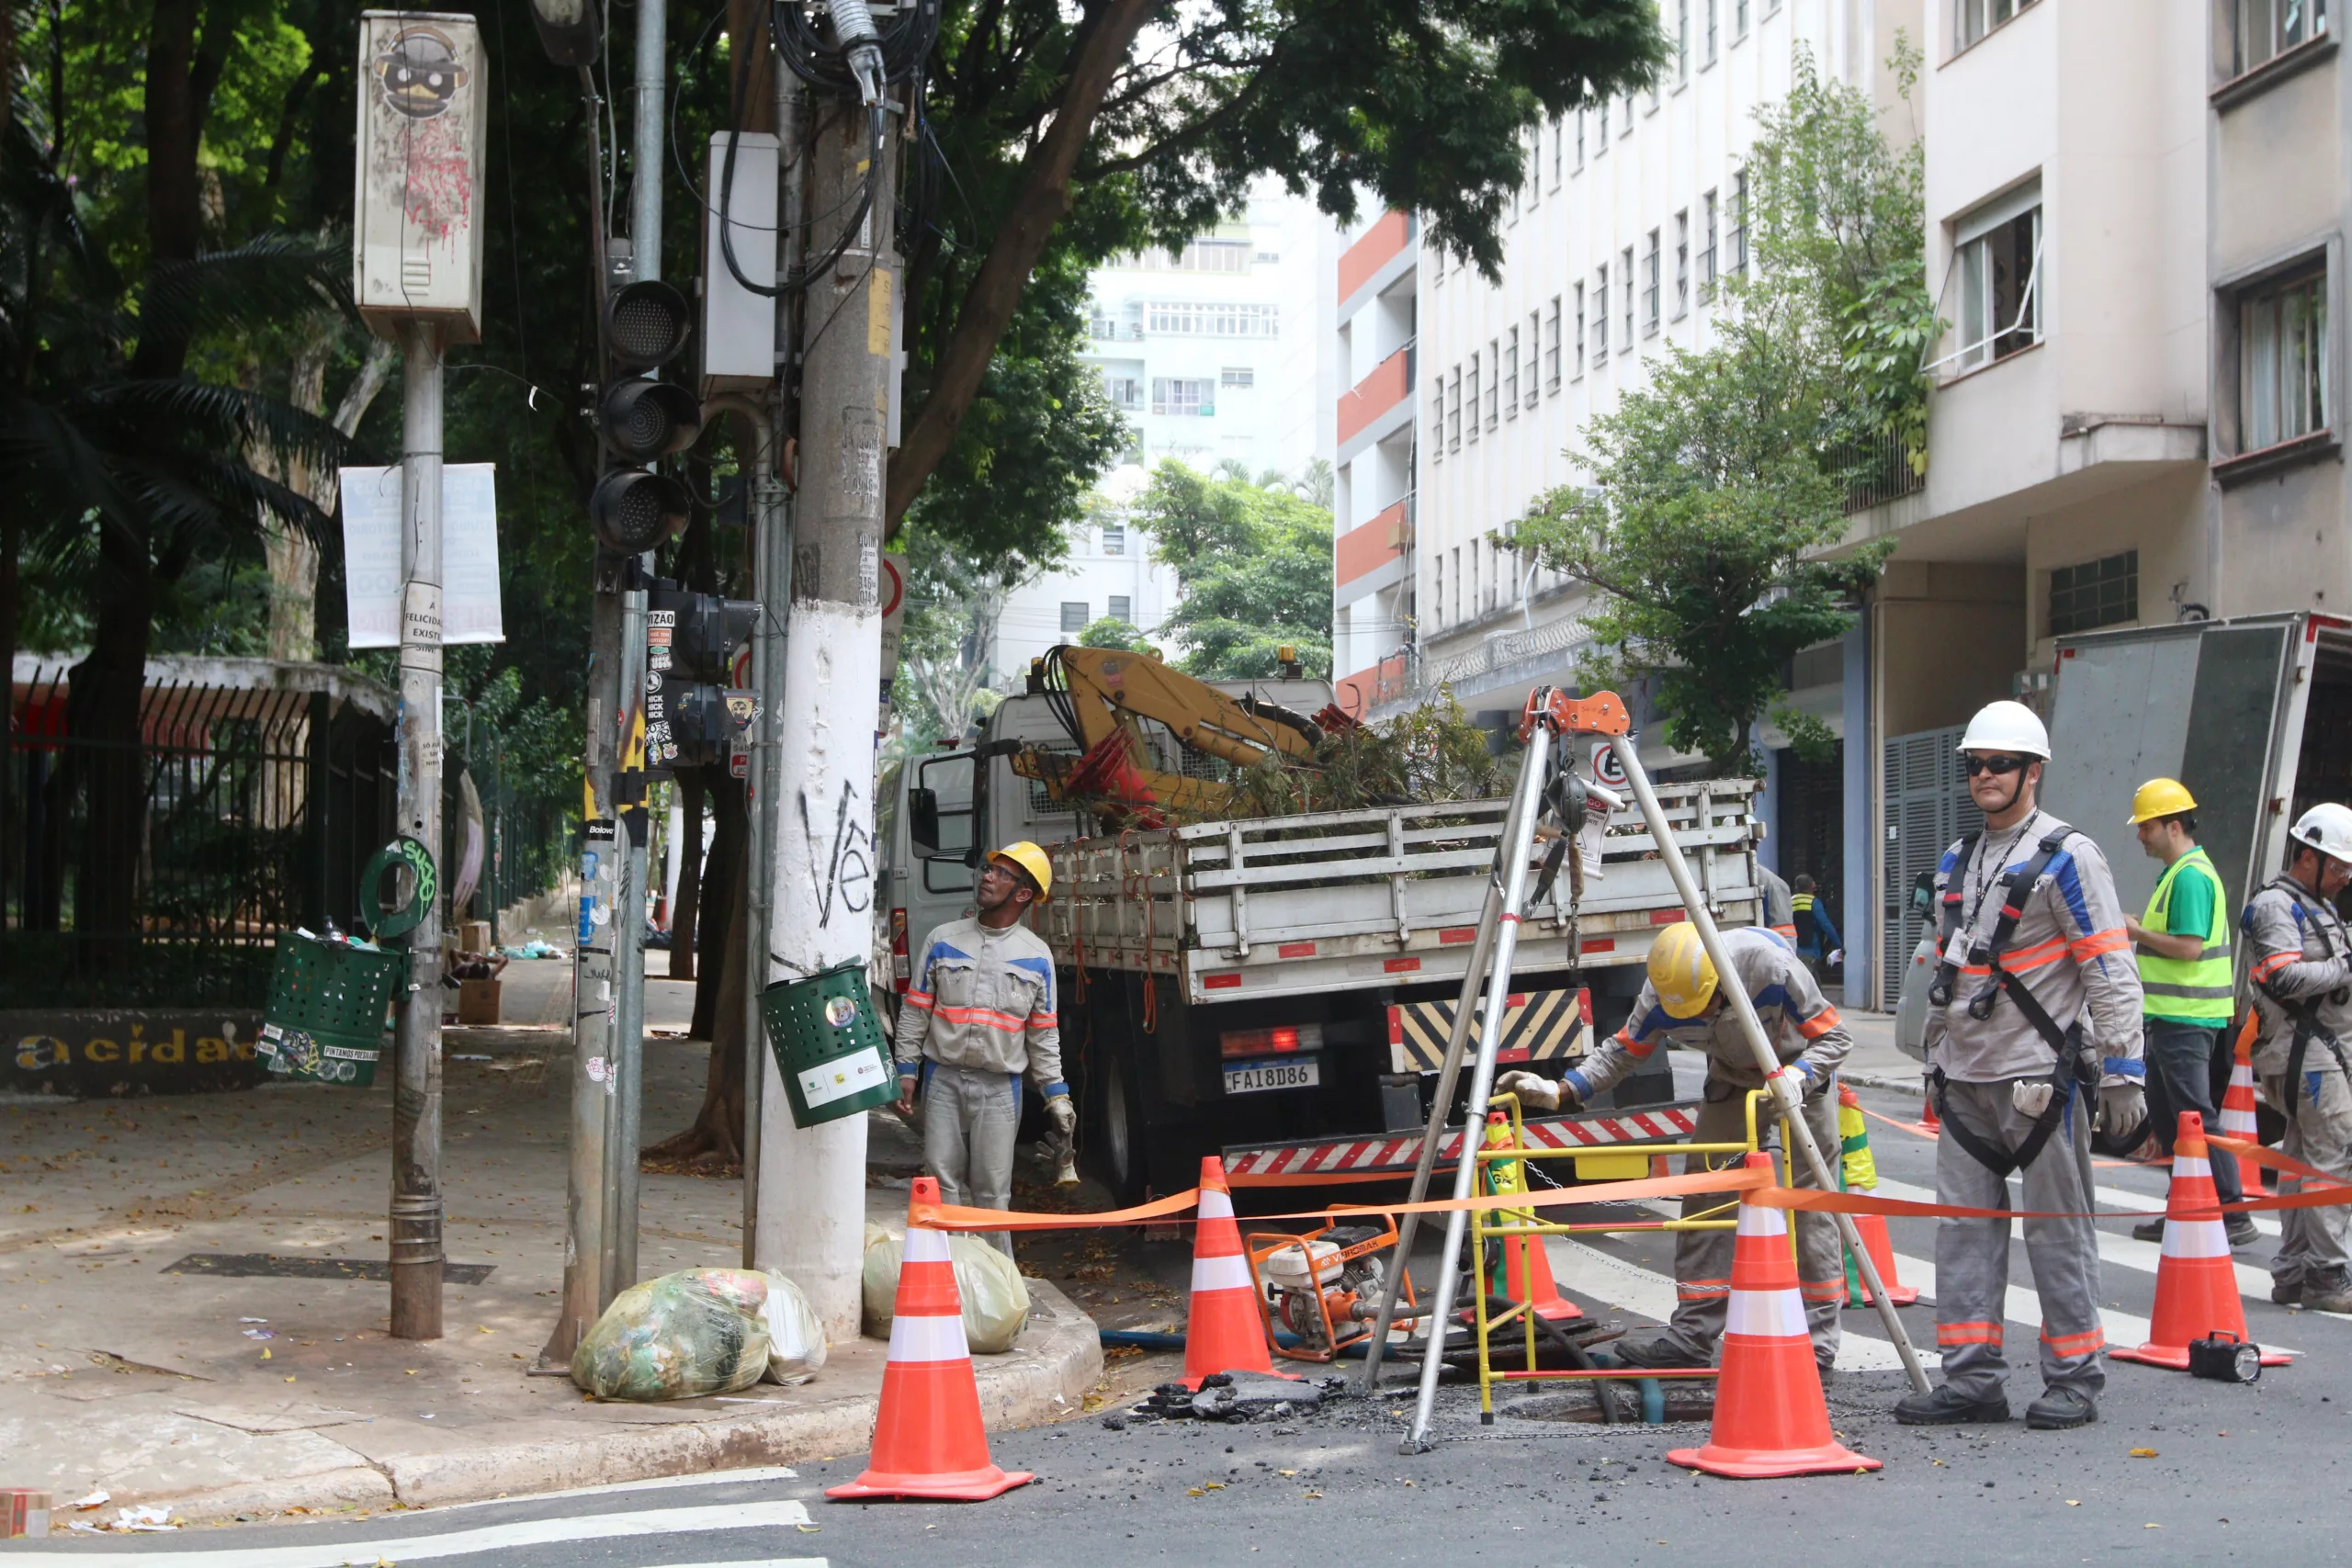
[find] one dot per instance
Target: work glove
(2031, 1096)
(1536, 1092)
(1062, 1116)
(2121, 1107)
(1789, 1086)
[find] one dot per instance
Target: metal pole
(812, 1181)
(618, 1263)
(415, 1227)
(1768, 1061)
(1457, 1041)
(1533, 773)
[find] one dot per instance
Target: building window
(2282, 361)
(1114, 541)
(1074, 618)
(1437, 419)
(1437, 598)
(1600, 317)
(1184, 398)
(1510, 377)
(1559, 134)
(1122, 609)
(1738, 20)
(1649, 285)
(1534, 181)
(1739, 223)
(1996, 268)
(1580, 329)
(1453, 413)
(1707, 256)
(1535, 336)
(1494, 379)
(1972, 19)
(1711, 5)
(1211, 319)
(2103, 592)
(1207, 255)
(1457, 583)
(1682, 263)
(1470, 395)
(1600, 130)
(1626, 277)
(2263, 29)
(1626, 128)
(1126, 391)
(1682, 40)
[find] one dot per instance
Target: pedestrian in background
(2183, 946)
(1817, 939)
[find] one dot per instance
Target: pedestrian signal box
(692, 715)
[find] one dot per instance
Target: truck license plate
(1256, 1078)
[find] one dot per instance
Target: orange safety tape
(951, 1217)
(2337, 1194)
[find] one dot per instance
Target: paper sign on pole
(471, 606)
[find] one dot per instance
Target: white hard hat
(2006, 727)
(2327, 828)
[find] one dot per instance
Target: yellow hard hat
(1680, 971)
(2160, 797)
(1028, 857)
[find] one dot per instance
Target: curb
(1046, 1376)
(1910, 1085)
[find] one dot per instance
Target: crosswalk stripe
(461, 1543)
(2127, 1252)
(2116, 1198)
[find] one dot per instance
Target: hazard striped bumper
(1363, 1158)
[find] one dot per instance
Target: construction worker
(1682, 1002)
(2183, 943)
(1818, 942)
(979, 1015)
(2297, 952)
(1778, 912)
(2031, 940)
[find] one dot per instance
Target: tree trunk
(688, 904)
(715, 1139)
(103, 711)
(722, 871)
(292, 556)
(1043, 202)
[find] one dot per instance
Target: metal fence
(1877, 470)
(263, 804)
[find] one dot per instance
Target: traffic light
(639, 420)
(691, 714)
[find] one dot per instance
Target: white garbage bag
(796, 1340)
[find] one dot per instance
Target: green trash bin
(327, 1002)
(828, 1045)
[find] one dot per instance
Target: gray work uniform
(977, 1016)
(1804, 1029)
(2070, 950)
(2298, 950)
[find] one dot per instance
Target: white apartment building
(1218, 352)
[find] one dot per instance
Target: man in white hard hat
(979, 1015)
(2301, 970)
(2032, 945)
(1682, 1002)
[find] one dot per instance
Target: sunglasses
(1997, 766)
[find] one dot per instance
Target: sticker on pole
(823, 1084)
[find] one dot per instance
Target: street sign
(472, 609)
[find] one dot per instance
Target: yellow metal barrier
(1501, 1166)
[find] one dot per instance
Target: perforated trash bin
(828, 1045)
(327, 1004)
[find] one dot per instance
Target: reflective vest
(2192, 990)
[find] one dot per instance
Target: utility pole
(416, 1098)
(812, 1181)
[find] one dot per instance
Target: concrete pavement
(124, 1367)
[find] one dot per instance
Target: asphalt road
(2234, 1472)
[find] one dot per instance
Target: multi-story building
(1373, 499)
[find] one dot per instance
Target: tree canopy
(1254, 567)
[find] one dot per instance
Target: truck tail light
(902, 969)
(1286, 1038)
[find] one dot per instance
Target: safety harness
(2303, 1014)
(2069, 1073)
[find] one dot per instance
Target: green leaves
(1254, 564)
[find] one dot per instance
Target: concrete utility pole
(416, 1103)
(812, 1182)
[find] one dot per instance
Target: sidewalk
(230, 1395)
(1874, 1062)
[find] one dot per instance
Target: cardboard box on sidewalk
(477, 1001)
(24, 1514)
(474, 935)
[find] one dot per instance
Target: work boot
(2151, 1230)
(2241, 1229)
(2329, 1293)
(2287, 1292)
(2060, 1409)
(1945, 1406)
(1657, 1353)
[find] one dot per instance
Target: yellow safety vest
(2193, 990)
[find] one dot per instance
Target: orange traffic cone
(927, 1437)
(2197, 1284)
(1222, 1333)
(2237, 1105)
(1770, 1416)
(1882, 1249)
(1927, 1117)
(1526, 1272)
